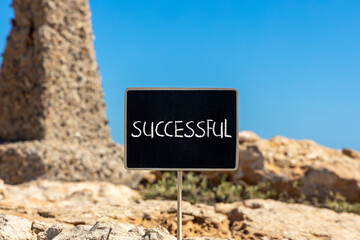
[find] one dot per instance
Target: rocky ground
(45, 209)
(97, 210)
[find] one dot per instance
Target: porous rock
(269, 219)
(19, 228)
(15, 228)
(52, 113)
(113, 231)
(88, 210)
(316, 171)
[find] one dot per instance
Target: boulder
(15, 228)
(18, 228)
(110, 231)
(314, 170)
(24, 161)
(269, 219)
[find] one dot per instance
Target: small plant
(262, 190)
(197, 189)
(228, 192)
(338, 203)
(165, 188)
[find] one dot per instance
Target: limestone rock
(85, 203)
(113, 231)
(351, 153)
(269, 219)
(247, 136)
(15, 228)
(52, 113)
(198, 219)
(25, 161)
(57, 210)
(50, 86)
(18, 228)
(317, 170)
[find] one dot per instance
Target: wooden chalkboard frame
(182, 169)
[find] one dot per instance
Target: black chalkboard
(181, 129)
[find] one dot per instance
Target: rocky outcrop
(50, 85)
(298, 165)
(24, 161)
(89, 210)
(108, 231)
(18, 228)
(269, 219)
(52, 113)
(87, 202)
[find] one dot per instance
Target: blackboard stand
(197, 128)
(179, 199)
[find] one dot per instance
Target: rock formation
(315, 170)
(52, 114)
(56, 210)
(296, 167)
(18, 228)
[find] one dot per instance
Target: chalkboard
(181, 129)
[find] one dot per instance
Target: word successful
(179, 129)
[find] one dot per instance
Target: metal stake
(179, 198)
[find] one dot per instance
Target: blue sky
(294, 63)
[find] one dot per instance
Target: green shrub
(197, 189)
(338, 203)
(228, 192)
(165, 188)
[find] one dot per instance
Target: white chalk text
(181, 129)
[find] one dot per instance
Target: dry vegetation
(198, 189)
